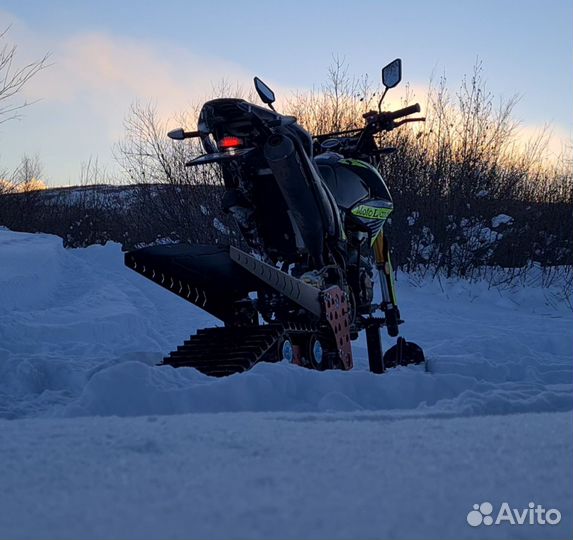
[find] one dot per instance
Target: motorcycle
(311, 210)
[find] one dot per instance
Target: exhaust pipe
(304, 196)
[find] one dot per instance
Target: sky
(106, 55)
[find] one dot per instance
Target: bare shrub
(175, 202)
(452, 176)
(336, 105)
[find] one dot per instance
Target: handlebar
(411, 109)
(376, 122)
(384, 121)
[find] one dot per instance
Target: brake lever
(406, 120)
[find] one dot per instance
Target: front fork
(386, 275)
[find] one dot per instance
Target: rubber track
(223, 351)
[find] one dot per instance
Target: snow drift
(80, 334)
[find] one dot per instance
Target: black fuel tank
(350, 180)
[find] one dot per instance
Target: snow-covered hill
(97, 441)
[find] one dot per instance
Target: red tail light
(228, 143)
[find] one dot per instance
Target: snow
(501, 219)
(246, 475)
(220, 227)
(97, 442)
(413, 218)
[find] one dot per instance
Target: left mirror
(265, 93)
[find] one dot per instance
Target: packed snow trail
(245, 475)
(331, 454)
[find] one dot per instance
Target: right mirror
(392, 73)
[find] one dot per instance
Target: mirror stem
(381, 99)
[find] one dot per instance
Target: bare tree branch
(13, 78)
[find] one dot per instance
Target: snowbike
(311, 210)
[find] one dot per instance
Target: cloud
(85, 94)
(106, 65)
(107, 73)
(103, 74)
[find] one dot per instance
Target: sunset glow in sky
(106, 55)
